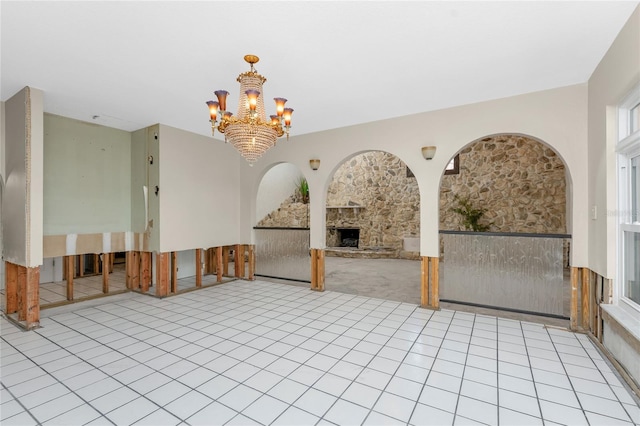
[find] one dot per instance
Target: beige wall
(613, 78)
(200, 194)
(557, 117)
(22, 202)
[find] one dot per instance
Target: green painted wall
(87, 177)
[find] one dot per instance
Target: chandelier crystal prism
(249, 131)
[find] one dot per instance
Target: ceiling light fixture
(249, 131)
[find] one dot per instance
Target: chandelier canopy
(249, 131)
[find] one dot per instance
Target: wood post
(174, 272)
(317, 269)
(252, 261)
(129, 269)
(220, 263)
(106, 262)
(574, 298)
(586, 291)
(238, 261)
(434, 278)
(583, 301)
(145, 271)
(70, 272)
(199, 267)
(28, 294)
(80, 265)
(162, 274)
(211, 258)
(225, 260)
(11, 287)
(96, 263)
(135, 269)
(32, 298)
(429, 288)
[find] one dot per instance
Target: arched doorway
(518, 188)
(282, 225)
(373, 228)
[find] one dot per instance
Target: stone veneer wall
(520, 181)
(389, 201)
(292, 213)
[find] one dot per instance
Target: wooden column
(238, 261)
(252, 261)
(430, 286)
(174, 272)
(11, 287)
(574, 298)
(434, 279)
(198, 267)
(211, 255)
(162, 274)
(81, 265)
(225, 260)
(33, 297)
(128, 269)
(135, 269)
(96, 263)
(29, 296)
(145, 271)
(317, 269)
(586, 291)
(70, 268)
(106, 263)
(22, 293)
(424, 281)
(219, 263)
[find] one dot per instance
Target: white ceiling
(339, 63)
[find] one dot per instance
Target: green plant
(302, 187)
(470, 215)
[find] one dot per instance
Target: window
(453, 168)
(629, 200)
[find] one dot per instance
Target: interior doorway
(372, 229)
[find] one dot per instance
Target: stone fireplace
(343, 237)
(348, 237)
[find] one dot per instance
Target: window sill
(628, 321)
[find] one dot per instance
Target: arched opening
(282, 225)
(504, 224)
(373, 228)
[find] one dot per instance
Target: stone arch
(382, 197)
(523, 182)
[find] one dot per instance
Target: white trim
(631, 100)
(628, 148)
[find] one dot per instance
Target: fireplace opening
(348, 237)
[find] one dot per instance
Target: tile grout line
(58, 381)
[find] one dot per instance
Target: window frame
(627, 149)
(456, 166)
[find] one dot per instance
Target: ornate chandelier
(249, 131)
